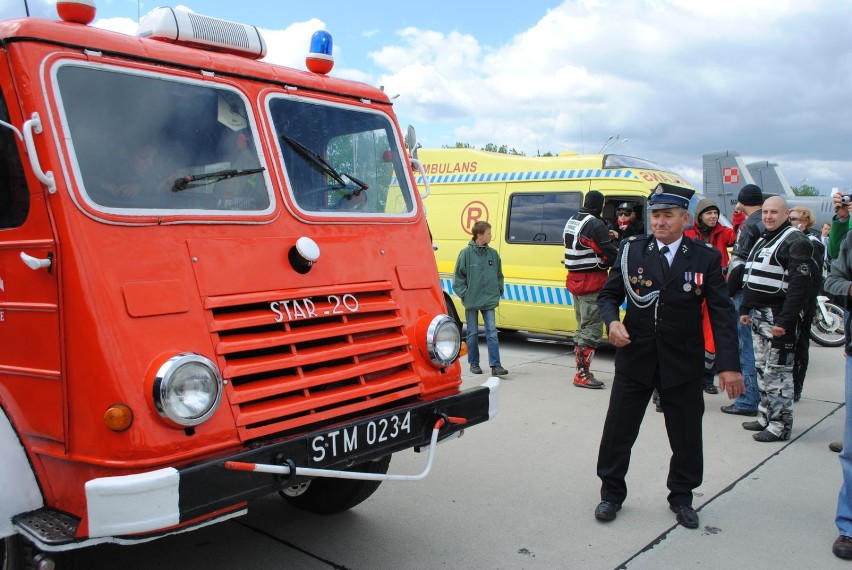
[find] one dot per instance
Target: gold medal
(698, 290)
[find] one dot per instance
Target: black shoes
(842, 547)
(767, 436)
(836, 446)
(738, 412)
(606, 511)
(495, 370)
(711, 389)
(685, 515)
(753, 426)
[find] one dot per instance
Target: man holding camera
(839, 223)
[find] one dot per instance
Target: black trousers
(683, 409)
(803, 344)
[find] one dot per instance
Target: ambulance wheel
(18, 553)
(327, 496)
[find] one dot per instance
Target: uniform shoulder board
(708, 245)
(638, 237)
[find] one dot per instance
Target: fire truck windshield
(324, 143)
(134, 135)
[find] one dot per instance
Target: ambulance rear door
(532, 249)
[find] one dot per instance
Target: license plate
(357, 439)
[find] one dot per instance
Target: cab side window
(540, 218)
(14, 194)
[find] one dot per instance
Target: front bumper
(153, 501)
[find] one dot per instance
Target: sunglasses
(794, 218)
(623, 214)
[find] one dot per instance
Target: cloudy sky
(771, 79)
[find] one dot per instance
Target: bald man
(776, 285)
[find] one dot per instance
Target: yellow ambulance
(527, 200)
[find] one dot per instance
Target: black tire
(327, 496)
(828, 333)
(451, 311)
(18, 553)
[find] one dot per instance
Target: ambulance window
(340, 161)
(14, 195)
(540, 218)
(145, 143)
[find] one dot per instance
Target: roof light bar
(194, 30)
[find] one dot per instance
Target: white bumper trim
(133, 503)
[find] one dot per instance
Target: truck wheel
(453, 314)
(327, 496)
(18, 553)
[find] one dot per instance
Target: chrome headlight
(443, 340)
(187, 389)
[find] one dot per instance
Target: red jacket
(722, 237)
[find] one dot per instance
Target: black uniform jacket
(669, 333)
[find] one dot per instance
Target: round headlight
(443, 340)
(187, 389)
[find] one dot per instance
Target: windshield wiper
(323, 166)
(184, 182)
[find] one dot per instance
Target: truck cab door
(30, 379)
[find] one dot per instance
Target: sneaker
(738, 412)
(767, 436)
(711, 389)
(836, 446)
(475, 369)
(587, 382)
(842, 547)
(498, 371)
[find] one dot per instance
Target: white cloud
(679, 78)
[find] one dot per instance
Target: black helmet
(625, 206)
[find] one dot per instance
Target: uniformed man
(665, 277)
(776, 285)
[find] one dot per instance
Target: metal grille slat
(313, 365)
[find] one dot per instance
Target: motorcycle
(827, 326)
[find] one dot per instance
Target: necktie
(664, 260)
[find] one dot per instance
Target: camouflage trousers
(773, 360)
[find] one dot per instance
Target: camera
(846, 198)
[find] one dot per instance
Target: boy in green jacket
(478, 281)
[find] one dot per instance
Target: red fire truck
(209, 289)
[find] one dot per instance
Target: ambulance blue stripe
(538, 294)
(529, 175)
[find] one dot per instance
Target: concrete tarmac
(519, 492)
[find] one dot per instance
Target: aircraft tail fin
(769, 177)
(725, 173)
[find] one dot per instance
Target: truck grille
(324, 363)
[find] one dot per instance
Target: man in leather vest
(776, 285)
(666, 277)
(589, 253)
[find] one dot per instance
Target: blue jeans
(751, 397)
(843, 519)
(472, 320)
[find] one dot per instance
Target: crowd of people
(693, 313)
